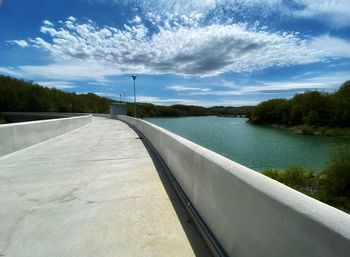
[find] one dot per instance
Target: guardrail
(16, 136)
(248, 213)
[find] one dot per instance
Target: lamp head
(133, 77)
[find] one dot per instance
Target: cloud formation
(177, 37)
(331, 12)
(266, 88)
(174, 48)
(202, 102)
(187, 89)
(334, 12)
(57, 84)
(21, 43)
(331, 46)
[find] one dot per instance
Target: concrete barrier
(249, 214)
(16, 136)
(14, 117)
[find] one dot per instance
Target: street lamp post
(134, 78)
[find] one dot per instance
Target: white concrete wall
(250, 215)
(16, 136)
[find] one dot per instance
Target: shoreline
(313, 130)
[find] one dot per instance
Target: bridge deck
(95, 191)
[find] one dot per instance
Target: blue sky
(203, 52)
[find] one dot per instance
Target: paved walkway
(92, 192)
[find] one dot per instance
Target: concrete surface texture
(94, 191)
(250, 215)
(16, 136)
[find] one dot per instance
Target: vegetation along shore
(312, 112)
(331, 185)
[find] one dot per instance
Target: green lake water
(257, 147)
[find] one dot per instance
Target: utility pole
(134, 78)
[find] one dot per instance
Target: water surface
(257, 147)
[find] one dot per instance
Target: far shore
(317, 131)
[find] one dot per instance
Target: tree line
(144, 110)
(24, 96)
(312, 108)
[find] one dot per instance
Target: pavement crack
(67, 197)
(14, 228)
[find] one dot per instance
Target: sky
(201, 52)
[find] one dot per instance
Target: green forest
(24, 96)
(144, 110)
(311, 108)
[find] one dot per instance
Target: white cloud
(325, 82)
(21, 43)
(331, 46)
(11, 71)
(276, 87)
(328, 79)
(163, 101)
(85, 50)
(332, 12)
(181, 44)
(71, 70)
(57, 84)
(186, 88)
(335, 12)
(71, 18)
(228, 102)
(137, 19)
(202, 102)
(47, 23)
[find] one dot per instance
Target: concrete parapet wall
(250, 214)
(16, 136)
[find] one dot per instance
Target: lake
(257, 147)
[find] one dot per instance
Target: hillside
(312, 108)
(23, 96)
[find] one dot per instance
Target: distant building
(117, 109)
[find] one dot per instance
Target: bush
(335, 179)
(331, 186)
(272, 173)
(296, 177)
(293, 176)
(307, 130)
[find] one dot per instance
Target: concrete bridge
(91, 186)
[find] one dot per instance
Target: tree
(313, 108)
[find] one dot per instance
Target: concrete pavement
(95, 191)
